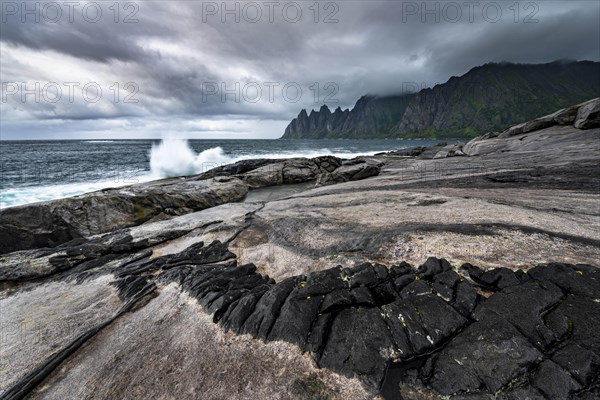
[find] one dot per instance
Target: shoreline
(410, 272)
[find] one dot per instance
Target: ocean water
(33, 171)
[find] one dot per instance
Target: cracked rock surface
(440, 278)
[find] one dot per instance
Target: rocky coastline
(459, 271)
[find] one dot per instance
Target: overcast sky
(197, 70)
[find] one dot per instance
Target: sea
(33, 171)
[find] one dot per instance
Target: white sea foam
(175, 157)
(24, 195)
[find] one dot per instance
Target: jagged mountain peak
(488, 97)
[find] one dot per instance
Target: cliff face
(487, 98)
(370, 117)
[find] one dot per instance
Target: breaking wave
(175, 157)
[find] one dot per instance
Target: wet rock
(291, 171)
(299, 170)
(267, 175)
(237, 168)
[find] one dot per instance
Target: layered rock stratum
(460, 271)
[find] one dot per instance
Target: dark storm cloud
(173, 51)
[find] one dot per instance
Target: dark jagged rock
(296, 318)
(465, 299)
(487, 354)
(404, 280)
(267, 309)
(343, 298)
(553, 381)
(582, 363)
(357, 339)
(333, 313)
(495, 279)
(132, 286)
(362, 275)
(433, 266)
(535, 336)
(415, 288)
(322, 282)
(524, 392)
(580, 279)
(445, 285)
(523, 306)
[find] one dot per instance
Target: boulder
(588, 115)
(267, 175)
(299, 170)
(529, 126)
(451, 150)
(294, 170)
(350, 171)
(566, 116)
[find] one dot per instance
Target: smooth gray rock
(582, 116)
(291, 171)
(588, 115)
(351, 171)
(51, 223)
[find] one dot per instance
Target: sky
(215, 70)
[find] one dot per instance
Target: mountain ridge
(488, 97)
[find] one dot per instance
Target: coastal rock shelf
(450, 272)
(51, 223)
(396, 329)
